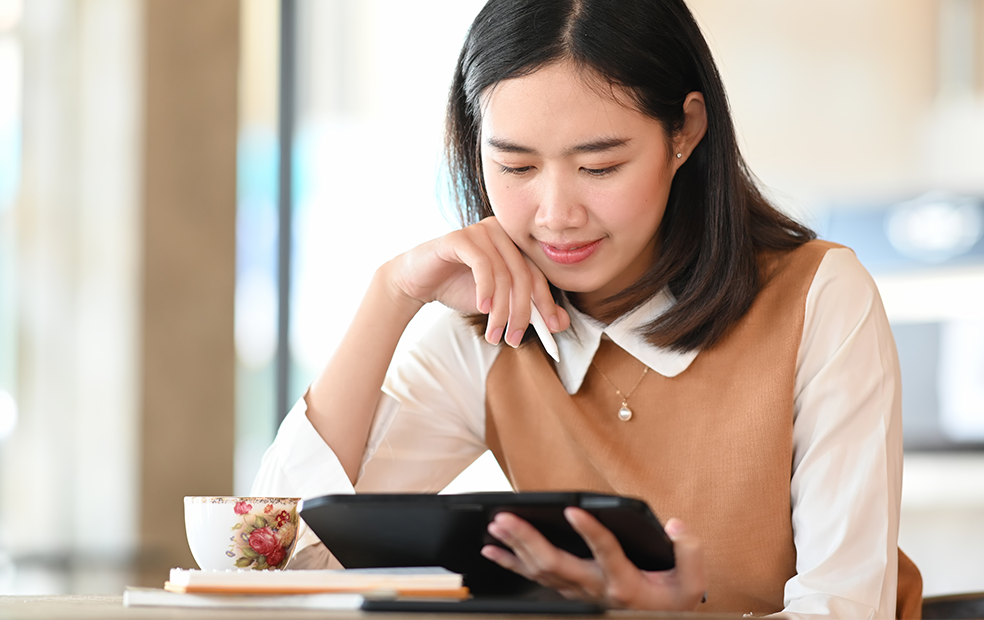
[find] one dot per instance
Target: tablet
(386, 530)
(486, 605)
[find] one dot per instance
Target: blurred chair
(968, 606)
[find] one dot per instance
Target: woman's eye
(601, 172)
(508, 170)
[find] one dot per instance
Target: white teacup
(256, 533)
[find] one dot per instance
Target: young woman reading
(715, 360)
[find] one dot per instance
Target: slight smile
(570, 253)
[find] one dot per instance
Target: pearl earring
(679, 155)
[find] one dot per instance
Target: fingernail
(553, 324)
(485, 306)
(500, 533)
(495, 335)
(496, 532)
(675, 527)
(515, 338)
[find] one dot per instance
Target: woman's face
(578, 179)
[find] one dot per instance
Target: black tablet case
(388, 530)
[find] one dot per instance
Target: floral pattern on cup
(264, 538)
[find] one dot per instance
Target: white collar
(577, 351)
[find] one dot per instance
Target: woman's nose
(559, 207)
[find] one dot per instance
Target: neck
(589, 304)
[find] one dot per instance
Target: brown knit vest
(712, 446)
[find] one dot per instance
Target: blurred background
(175, 268)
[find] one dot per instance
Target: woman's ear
(694, 128)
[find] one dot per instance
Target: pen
(544, 332)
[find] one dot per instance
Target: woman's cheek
(512, 208)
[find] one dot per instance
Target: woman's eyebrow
(509, 147)
(595, 146)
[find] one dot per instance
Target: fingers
(681, 588)
(505, 281)
(690, 570)
(504, 559)
(535, 558)
(528, 282)
(621, 575)
(497, 269)
(610, 577)
(475, 249)
(478, 268)
(554, 316)
(512, 309)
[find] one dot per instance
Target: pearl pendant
(625, 414)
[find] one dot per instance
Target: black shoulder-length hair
(716, 221)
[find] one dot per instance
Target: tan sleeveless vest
(712, 446)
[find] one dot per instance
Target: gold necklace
(624, 413)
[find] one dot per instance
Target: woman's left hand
(609, 578)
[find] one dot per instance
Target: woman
(714, 359)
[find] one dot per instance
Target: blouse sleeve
(847, 450)
(428, 427)
(430, 424)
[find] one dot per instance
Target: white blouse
(847, 432)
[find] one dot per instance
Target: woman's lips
(570, 253)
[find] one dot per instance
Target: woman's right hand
(478, 269)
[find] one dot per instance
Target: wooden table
(111, 607)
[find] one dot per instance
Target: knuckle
(523, 278)
(546, 567)
(480, 226)
(503, 279)
(463, 236)
(481, 263)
